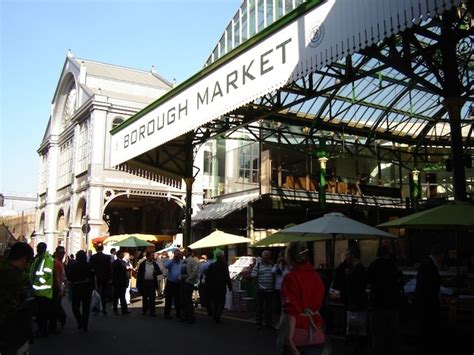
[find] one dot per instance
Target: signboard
(323, 35)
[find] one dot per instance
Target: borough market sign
(321, 33)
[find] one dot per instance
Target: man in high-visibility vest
(42, 281)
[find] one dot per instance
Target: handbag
(96, 302)
(313, 335)
(356, 323)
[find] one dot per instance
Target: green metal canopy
(456, 215)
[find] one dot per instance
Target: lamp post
(416, 187)
(322, 180)
(86, 228)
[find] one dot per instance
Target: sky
(176, 36)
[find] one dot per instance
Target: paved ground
(138, 334)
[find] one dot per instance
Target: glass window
(44, 173)
(244, 21)
(222, 46)
(269, 12)
(65, 165)
(215, 53)
(252, 16)
(207, 162)
(83, 145)
(249, 162)
(288, 6)
(279, 9)
(298, 2)
(261, 15)
(229, 38)
(236, 29)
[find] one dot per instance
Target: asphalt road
(138, 334)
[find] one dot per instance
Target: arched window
(117, 121)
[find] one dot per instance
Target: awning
(316, 35)
(221, 209)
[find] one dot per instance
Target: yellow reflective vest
(42, 276)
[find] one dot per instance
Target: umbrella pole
(457, 256)
(333, 252)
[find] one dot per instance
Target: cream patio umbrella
(331, 226)
(454, 216)
(218, 238)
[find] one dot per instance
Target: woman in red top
(302, 294)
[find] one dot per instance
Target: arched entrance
(61, 227)
(143, 214)
(80, 217)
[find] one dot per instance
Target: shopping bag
(96, 302)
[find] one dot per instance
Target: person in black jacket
(354, 296)
(16, 300)
(385, 281)
(147, 283)
(120, 280)
(217, 278)
(427, 303)
(81, 277)
(101, 264)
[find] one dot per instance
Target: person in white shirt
(159, 259)
(279, 271)
(128, 264)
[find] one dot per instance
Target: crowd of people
(292, 288)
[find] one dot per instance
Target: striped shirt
(263, 274)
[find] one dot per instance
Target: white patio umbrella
(331, 226)
(218, 238)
